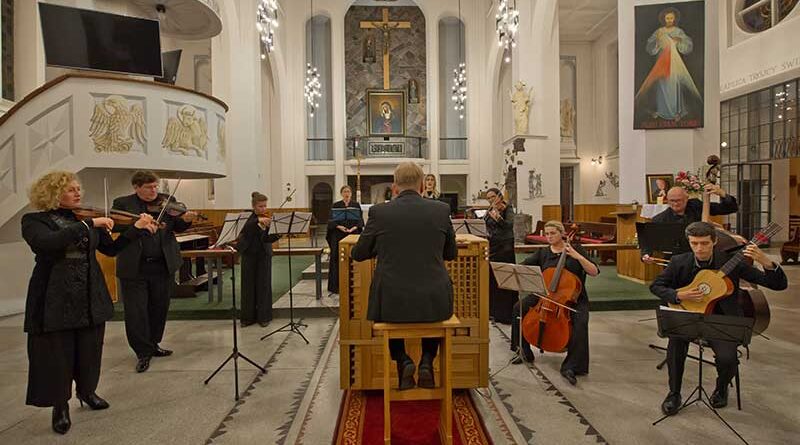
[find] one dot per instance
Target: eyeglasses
(150, 187)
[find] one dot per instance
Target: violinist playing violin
(500, 225)
(68, 302)
(146, 268)
(577, 361)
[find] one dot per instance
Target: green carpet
(608, 292)
(198, 308)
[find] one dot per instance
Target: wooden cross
(385, 26)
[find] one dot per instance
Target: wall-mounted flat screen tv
(93, 40)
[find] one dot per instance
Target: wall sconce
(597, 161)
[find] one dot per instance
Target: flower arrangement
(689, 181)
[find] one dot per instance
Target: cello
(547, 325)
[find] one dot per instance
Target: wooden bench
(791, 249)
(444, 392)
(599, 233)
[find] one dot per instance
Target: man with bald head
(684, 210)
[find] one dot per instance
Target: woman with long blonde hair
(68, 302)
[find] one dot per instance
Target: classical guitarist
(671, 284)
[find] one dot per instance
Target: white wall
(758, 60)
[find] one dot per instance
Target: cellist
(577, 360)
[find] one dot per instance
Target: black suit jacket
(411, 237)
(682, 269)
(128, 260)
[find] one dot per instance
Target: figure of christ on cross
(385, 26)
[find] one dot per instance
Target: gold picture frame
(386, 112)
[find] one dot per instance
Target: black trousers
(578, 348)
(333, 264)
(56, 359)
(256, 288)
(397, 347)
(726, 361)
(146, 302)
(501, 301)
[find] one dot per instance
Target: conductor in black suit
(411, 237)
(146, 271)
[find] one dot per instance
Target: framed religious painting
(386, 112)
(657, 188)
(669, 65)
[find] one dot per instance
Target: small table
(305, 251)
(215, 257)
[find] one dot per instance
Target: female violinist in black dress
(500, 225)
(255, 248)
(68, 302)
(337, 230)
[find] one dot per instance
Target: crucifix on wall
(385, 26)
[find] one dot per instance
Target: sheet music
(475, 227)
(231, 228)
(480, 213)
(290, 223)
(521, 278)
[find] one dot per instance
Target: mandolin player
(679, 273)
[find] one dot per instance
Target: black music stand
(346, 214)
(693, 326)
(233, 232)
(669, 238)
(475, 227)
(292, 223)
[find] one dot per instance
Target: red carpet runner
(361, 421)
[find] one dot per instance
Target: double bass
(751, 299)
(547, 325)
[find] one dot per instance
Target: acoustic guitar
(715, 284)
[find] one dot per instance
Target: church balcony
(384, 148)
(97, 121)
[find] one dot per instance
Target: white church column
(337, 95)
(536, 62)
(644, 152)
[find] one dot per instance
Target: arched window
(453, 127)
(319, 129)
(759, 15)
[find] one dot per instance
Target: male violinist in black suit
(679, 273)
(146, 270)
(411, 237)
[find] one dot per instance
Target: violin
(171, 208)
(118, 216)
(547, 325)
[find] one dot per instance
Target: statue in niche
(521, 97)
(567, 121)
(413, 92)
(368, 48)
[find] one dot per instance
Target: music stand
(525, 280)
(691, 326)
(291, 223)
(234, 229)
(347, 214)
(475, 227)
(669, 238)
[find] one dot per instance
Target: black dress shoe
(143, 364)
(671, 404)
(61, 422)
(405, 373)
(719, 399)
(245, 324)
(94, 401)
(426, 373)
(161, 352)
(570, 376)
(263, 324)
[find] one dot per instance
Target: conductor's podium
(361, 359)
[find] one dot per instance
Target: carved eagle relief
(186, 132)
(115, 126)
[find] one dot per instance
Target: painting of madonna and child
(670, 42)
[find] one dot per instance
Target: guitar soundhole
(704, 288)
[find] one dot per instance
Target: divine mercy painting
(669, 66)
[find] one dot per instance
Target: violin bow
(105, 195)
(169, 198)
(289, 197)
